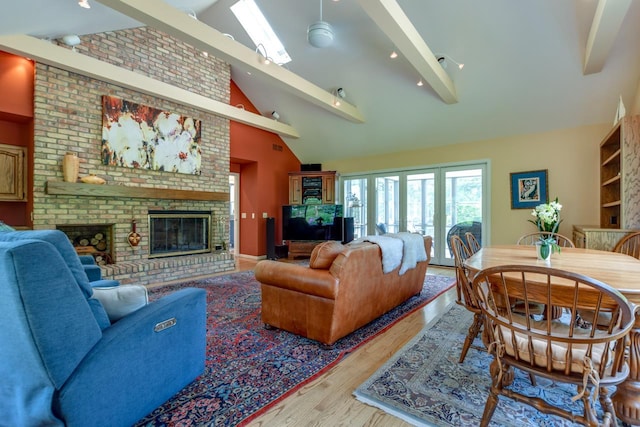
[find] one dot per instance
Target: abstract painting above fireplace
(173, 233)
(143, 137)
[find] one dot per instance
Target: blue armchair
(65, 363)
(94, 273)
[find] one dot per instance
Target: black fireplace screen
(179, 233)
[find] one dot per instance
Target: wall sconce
(442, 59)
(275, 115)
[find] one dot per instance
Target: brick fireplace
(68, 118)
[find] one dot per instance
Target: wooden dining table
(619, 271)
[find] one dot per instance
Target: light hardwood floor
(328, 401)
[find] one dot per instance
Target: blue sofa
(62, 362)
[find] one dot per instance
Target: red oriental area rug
(248, 368)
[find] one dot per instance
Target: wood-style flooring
(328, 401)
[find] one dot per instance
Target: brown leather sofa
(344, 292)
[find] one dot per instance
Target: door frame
(234, 215)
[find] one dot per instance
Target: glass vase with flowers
(547, 221)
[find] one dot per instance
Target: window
(258, 28)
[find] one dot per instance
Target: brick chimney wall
(68, 118)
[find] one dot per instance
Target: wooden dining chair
(472, 242)
(629, 244)
(532, 238)
(465, 294)
(590, 358)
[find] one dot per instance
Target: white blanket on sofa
(413, 250)
(400, 249)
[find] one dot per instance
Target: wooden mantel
(95, 190)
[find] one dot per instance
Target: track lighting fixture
(275, 115)
(442, 59)
(262, 51)
(84, 3)
(338, 94)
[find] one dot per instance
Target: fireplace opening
(174, 233)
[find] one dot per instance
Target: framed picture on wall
(528, 189)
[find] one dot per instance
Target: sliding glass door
(387, 211)
(437, 201)
(464, 206)
(355, 203)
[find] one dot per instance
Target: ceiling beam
(176, 23)
(66, 59)
(604, 30)
(388, 15)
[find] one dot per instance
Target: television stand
(302, 247)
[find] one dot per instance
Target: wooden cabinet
(603, 239)
(295, 189)
(13, 173)
(619, 183)
(312, 187)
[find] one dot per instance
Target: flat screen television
(312, 222)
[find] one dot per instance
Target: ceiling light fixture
(320, 33)
(84, 3)
(420, 83)
(393, 55)
(442, 59)
(341, 93)
(71, 40)
(275, 115)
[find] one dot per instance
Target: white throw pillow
(119, 301)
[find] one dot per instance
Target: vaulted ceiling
(529, 66)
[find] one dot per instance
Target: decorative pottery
(543, 251)
(70, 167)
(92, 179)
(133, 238)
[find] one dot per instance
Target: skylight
(256, 25)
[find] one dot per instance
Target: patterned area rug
(248, 368)
(424, 384)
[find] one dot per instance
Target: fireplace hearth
(175, 233)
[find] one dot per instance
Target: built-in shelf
(96, 190)
(612, 180)
(615, 156)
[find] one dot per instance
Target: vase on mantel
(70, 167)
